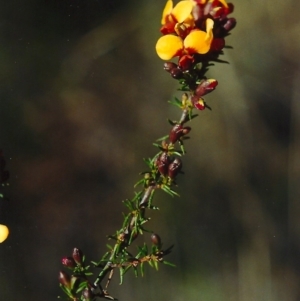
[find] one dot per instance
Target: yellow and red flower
(195, 32)
(197, 41)
(180, 14)
(193, 27)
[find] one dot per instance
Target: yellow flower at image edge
(3, 233)
(197, 41)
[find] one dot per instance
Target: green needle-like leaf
(142, 269)
(162, 138)
(169, 191)
(168, 263)
(135, 271)
(155, 263)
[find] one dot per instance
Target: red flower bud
(87, 294)
(176, 73)
(206, 86)
(176, 133)
(230, 24)
(173, 69)
(162, 163)
(174, 168)
(198, 103)
(68, 262)
(77, 256)
(156, 239)
(64, 279)
(168, 66)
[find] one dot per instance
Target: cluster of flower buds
(71, 283)
(73, 261)
(168, 166)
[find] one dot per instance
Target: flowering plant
(194, 31)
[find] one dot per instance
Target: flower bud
(176, 133)
(156, 239)
(168, 66)
(206, 86)
(162, 163)
(230, 24)
(198, 103)
(68, 262)
(176, 73)
(174, 168)
(87, 294)
(64, 279)
(77, 256)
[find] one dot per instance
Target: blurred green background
(82, 97)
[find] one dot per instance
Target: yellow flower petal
(182, 10)
(209, 30)
(195, 42)
(168, 46)
(167, 11)
(3, 233)
(199, 41)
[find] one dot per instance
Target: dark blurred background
(82, 97)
